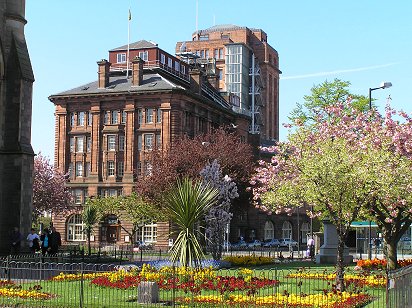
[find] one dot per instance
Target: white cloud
(351, 70)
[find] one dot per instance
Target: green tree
(324, 95)
(90, 217)
(187, 204)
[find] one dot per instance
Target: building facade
(16, 153)
(247, 66)
(105, 129)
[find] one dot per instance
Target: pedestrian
(45, 242)
(34, 241)
(55, 241)
(311, 248)
(15, 241)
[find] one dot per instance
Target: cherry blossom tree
(219, 216)
(49, 190)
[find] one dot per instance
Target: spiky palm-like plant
(187, 203)
(90, 217)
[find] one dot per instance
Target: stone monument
(329, 250)
(16, 153)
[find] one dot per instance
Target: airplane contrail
(351, 70)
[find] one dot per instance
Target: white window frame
(139, 116)
(170, 62)
(72, 144)
(77, 195)
(80, 144)
(75, 228)
(114, 117)
(111, 142)
(121, 142)
(162, 58)
(120, 169)
(269, 230)
(144, 55)
(139, 142)
(87, 169)
(89, 118)
(121, 58)
(287, 230)
(110, 168)
(148, 233)
(148, 142)
(158, 115)
(81, 117)
(124, 117)
(149, 115)
(79, 169)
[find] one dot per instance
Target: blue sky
(361, 41)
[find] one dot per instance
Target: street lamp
(383, 85)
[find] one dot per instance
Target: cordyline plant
(343, 167)
(49, 191)
(219, 216)
(187, 203)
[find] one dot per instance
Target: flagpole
(128, 44)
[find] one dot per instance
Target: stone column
(329, 250)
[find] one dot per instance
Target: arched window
(287, 230)
(75, 228)
(304, 231)
(269, 230)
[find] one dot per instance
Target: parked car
(254, 244)
(240, 244)
(143, 245)
(285, 242)
(272, 243)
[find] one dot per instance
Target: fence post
(121, 256)
(8, 268)
(81, 285)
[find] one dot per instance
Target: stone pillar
(147, 292)
(329, 250)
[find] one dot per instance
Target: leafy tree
(187, 203)
(131, 208)
(49, 191)
(187, 157)
(90, 217)
(324, 95)
(219, 216)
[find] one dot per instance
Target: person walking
(55, 241)
(34, 241)
(45, 242)
(15, 241)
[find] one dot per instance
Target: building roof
(118, 84)
(225, 27)
(136, 45)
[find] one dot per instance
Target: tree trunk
(340, 265)
(392, 253)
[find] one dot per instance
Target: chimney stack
(196, 76)
(104, 69)
(137, 71)
(213, 79)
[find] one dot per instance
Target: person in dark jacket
(55, 241)
(45, 242)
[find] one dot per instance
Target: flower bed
(359, 280)
(248, 260)
(10, 290)
(380, 264)
(332, 300)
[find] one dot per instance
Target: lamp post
(383, 85)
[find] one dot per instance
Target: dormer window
(121, 58)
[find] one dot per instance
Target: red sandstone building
(105, 128)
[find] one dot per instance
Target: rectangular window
(79, 144)
(216, 53)
(221, 55)
(87, 169)
(220, 72)
(112, 192)
(177, 66)
(203, 37)
(70, 170)
(158, 141)
(202, 53)
(89, 118)
(79, 168)
(158, 115)
(80, 118)
(121, 143)
(148, 141)
(72, 144)
(115, 117)
(143, 55)
(139, 142)
(120, 169)
(149, 115)
(207, 53)
(124, 117)
(111, 142)
(106, 117)
(170, 62)
(162, 59)
(121, 58)
(140, 116)
(139, 168)
(72, 119)
(77, 196)
(183, 69)
(88, 144)
(110, 168)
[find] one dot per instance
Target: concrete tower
(16, 153)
